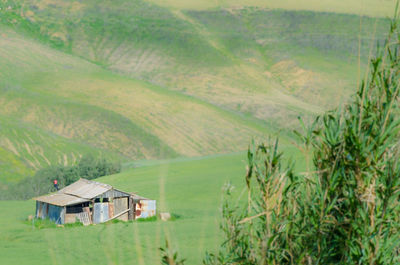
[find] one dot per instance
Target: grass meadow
(191, 189)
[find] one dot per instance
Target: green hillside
(378, 8)
(138, 80)
(190, 188)
(270, 64)
(71, 107)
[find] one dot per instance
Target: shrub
(42, 182)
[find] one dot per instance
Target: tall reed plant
(346, 208)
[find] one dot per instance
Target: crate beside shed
(91, 202)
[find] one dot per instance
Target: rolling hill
(374, 8)
(138, 80)
(57, 107)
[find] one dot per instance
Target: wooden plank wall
(70, 218)
(120, 205)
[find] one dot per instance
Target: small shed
(91, 202)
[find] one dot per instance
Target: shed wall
(70, 218)
(37, 214)
(112, 194)
(42, 209)
(146, 208)
(100, 213)
(120, 205)
(53, 212)
(56, 214)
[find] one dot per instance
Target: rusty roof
(86, 189)
(60, 199)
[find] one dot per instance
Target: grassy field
(359, 7)
(189, 188)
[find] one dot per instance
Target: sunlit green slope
(269, 64)
(56, 107)
(210, 79)
(360, 7)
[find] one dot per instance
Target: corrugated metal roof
(137, 197)
(86, 189)
(60, 199)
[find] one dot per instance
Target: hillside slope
(376, 8)
(59, 107)
(269, 64)
(136, 80)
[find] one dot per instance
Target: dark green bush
(41, 183)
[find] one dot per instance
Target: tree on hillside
(41, 183)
